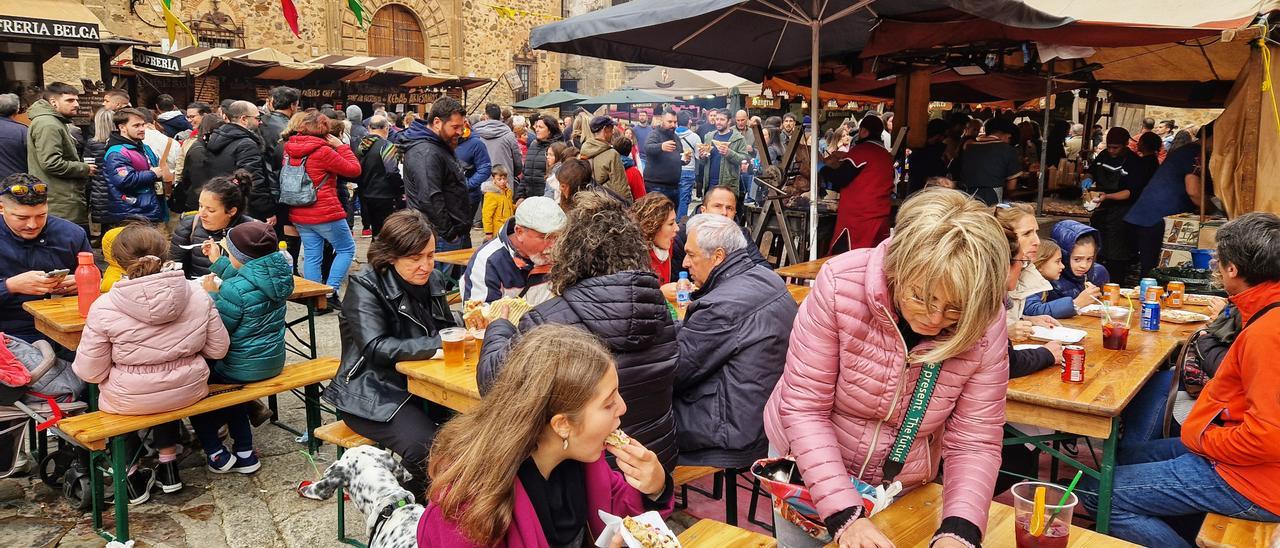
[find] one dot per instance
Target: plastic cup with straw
(1066, 495)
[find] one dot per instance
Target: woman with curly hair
(601, 275)
(656, 216)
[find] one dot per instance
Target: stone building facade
(588, 75)
(461, 37)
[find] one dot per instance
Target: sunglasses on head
(22, 190)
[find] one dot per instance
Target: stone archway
(433, 21)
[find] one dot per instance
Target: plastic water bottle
(683, 288)
(88, 282)
(284, 251)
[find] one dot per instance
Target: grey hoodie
(355, 116)
(501, 144)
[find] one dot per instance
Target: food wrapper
(477, 315)
(614, 524)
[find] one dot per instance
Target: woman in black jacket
(546, 130)
(604, 284)
(96, 148)
(393, 311)
(222, 203)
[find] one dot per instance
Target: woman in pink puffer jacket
(849, 375)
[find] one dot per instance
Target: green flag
(357, 10)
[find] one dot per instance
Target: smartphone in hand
(57, 274)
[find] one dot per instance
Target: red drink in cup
(1057, 518)
(1115, 329)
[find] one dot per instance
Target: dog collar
(386, 513)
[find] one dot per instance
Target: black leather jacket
(381, 326)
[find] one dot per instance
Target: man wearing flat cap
(606, 164)
(516, 262)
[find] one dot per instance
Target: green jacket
(53, 158)
(730, 166)
(252, 303)
(606, 167)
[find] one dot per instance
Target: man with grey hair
(379, 185)
(13, 137)
(237, 145)
(1075, 141)
(1225, 460)
(733, 344)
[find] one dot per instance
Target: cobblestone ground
(212, 510)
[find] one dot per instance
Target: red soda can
(1073, 363)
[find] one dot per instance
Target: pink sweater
(844, 393)
(607, 490)
(145, 344)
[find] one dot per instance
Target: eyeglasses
(1026, 263)
(22, 190)
(950, 313)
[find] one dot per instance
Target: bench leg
(95, 493)
(120, 482)
(312, 393)
(275, 408)
(342, 513)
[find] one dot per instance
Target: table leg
(731, 496)
(1108, 473)
(312, 402)
(95, 493)
(120, 483)
(311, 326)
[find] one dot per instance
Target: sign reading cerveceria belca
(156, 61)
(47, 29)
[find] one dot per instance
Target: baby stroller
(37, 389)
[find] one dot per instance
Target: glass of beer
(471, 352)
(454, 341)
(1057, 518)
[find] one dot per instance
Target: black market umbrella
(754, 38)
(551, 99)
(629, 96)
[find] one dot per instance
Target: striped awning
(390, 70)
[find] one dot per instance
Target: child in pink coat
(145, 344)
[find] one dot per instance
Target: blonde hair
(1048, 250)
(1008, 213)
(947, 242)
(553, 370)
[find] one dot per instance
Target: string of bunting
(506, 11)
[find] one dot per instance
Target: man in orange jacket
(1228, 458)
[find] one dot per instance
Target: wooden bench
(1220, 531)
(713, 534)
(94, 430)
(343, 437)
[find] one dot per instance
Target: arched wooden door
(395, 31)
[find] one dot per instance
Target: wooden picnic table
(60, 320)
(802, 271)
(1219, 531)
(914, 517)
(1091, 408)
(452, 387)
(709, 533)
(459, 257)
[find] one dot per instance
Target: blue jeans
(338, 234)
(672, 192)
(235, 417)
(1143, 418)
(451, 271)
(1162, 479)
(687, 180)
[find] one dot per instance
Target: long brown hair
(650, 212)
(552, 370)
(140, 250)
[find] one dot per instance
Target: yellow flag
(172, 24)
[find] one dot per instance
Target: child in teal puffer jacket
(256, 281)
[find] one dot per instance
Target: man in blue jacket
(31, 244)
(474, 157)
(131, 171)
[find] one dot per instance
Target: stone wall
(462, 37)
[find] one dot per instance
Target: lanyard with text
(911, 423)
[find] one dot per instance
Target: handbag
(791, 496)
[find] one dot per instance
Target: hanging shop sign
(395, 97)
(23, 27)
(156, 61)
(762, 102)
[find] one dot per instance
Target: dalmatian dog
(372, 478)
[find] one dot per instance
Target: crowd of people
(206, 215)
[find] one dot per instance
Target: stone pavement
(212, 510)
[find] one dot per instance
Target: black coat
(189, 231)
(733, 346)
(375, 182)
(99, 193)
(235, 147)
(628, 312)
(434, 183)
(534, 181)
(662, 167)
(380, 326)
(197, 169)
(1026, 362)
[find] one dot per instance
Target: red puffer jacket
(325, 165)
